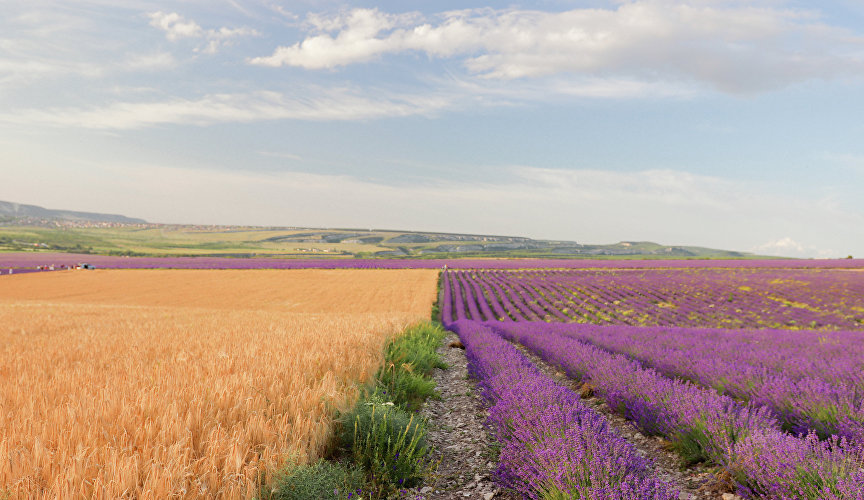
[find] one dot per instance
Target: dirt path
(456, 430)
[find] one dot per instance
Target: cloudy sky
(721, 123)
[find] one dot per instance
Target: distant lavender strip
(825, 299)
(33, 259)
(552, 443)
(811, 380)
(764, 461)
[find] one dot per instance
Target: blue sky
(727, 124)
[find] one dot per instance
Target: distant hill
(29, 227)
(16, 210)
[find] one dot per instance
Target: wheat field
(184, 384)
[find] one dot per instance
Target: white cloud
(783, 246)
(508, 92)
(176, 28)
(662, 187)
(731, 46)
(43, 43)
(22, 71)
(283, 12)
(787, 247)
(306, 104)
(150, 62)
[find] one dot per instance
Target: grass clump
(323, 479)
(690, 445)
(389, 443)
(409, 362)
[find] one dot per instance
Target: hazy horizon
(716, 123)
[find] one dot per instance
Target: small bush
(689, 445)
(404, 387)
(409, 360)
(388, 442)
(417, 347)
(320, 480)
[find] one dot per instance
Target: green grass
(389, 444)
(323, 479)
(409, 362)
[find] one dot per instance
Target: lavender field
(753, 372)
(32, 260)
(683, 297)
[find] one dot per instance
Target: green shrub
(388, 442)
(690, 445)
(324, 480)
(409, 361)
(417, 347)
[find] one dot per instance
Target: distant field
(177, 241)
(19, 261)
(724, 298)
(291, 243)
(157, 384)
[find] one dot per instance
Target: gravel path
(457, 431)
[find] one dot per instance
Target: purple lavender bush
(780, 466)
(553, 445)
(810, 380)
(702, 424)
(764, 461)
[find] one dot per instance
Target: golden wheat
(158, 384)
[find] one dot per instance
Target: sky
(718, 123)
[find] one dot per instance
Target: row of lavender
(553, 446)
(19, 260)
(809, 380)
(763, 460)
(725, 298)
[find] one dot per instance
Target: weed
(322, 480)
(389, 443)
